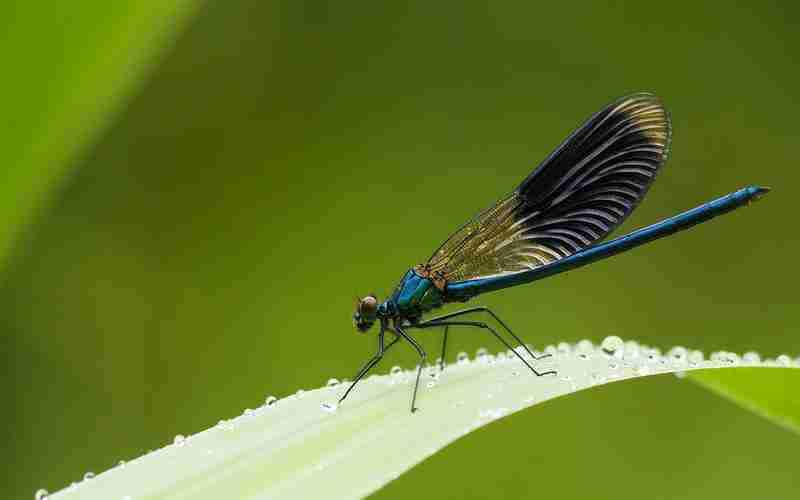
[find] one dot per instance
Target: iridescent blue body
(416, 295)
(554, 221)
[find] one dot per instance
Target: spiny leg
(372, 362)
(422, 357)
(478, 324)
(444, 349)
(493, 315)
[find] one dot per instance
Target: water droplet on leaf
(584, 349)
(695, 358)
(613, 346)
(751, 358)
(678, 356)
(631, 350)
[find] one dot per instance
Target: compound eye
(368, 306)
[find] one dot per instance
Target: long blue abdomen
(464, 290)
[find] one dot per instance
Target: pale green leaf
(304, 446)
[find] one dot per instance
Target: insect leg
(493, 315)
(372, 362)
(478, 324)
(444, 349)
(422, 357)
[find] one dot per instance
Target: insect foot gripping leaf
(305, 446)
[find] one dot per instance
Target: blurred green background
(277, 159)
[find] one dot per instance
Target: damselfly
(551, 223)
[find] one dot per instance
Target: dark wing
(576, 197)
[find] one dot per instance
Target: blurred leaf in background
(286, 156)
(68, 68)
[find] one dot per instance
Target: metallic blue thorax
(415, 295)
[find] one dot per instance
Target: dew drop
(41, 494)
(563, 348)
(678, 356)
(462, 358)
(653, 354)
(584, 349)
(179, 440)
(271, 400)
(395, 371)
(89, 475)
(784, 360)
(300, 393)
(695, 358)
(751, 358)
(725, 358)
(332, 382)
(551, 350)
(329, 407)
(613, 346)
(121, 463)
(431, 384)
(631, 350)
(247, 411)
(501, 356)
(481, 354)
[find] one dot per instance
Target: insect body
(554, 221)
